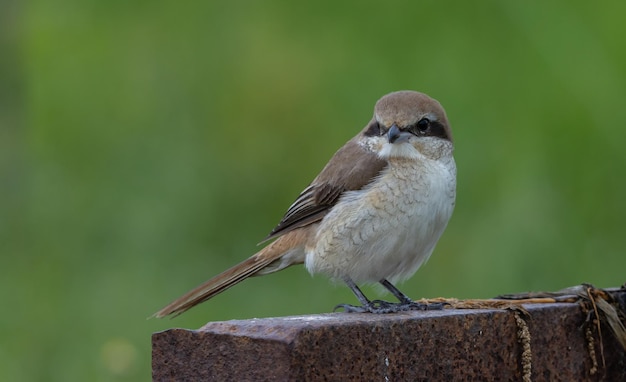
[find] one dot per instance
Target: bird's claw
(382, 307)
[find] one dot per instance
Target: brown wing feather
(351, 168)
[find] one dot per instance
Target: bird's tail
(212, 287)
(259, 263)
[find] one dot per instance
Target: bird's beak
(395, 135)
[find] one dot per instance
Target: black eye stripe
(437, 130)
(429, 128)
(423, 127)
(374, 130)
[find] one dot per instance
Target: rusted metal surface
(446, 345)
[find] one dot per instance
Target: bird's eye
(423, 124)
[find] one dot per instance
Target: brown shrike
(374, 213)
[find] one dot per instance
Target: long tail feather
(285, 247)
(214, 286)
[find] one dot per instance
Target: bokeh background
(145, 146)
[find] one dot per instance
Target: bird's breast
(389, 228)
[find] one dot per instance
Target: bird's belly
(383, 232)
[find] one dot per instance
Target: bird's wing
(351, 168)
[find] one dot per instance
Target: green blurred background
(145, 146)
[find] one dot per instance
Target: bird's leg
(405, 302)
(376, 306)
(404, 299)
(366, 306)
(365, 302)
(380, 306)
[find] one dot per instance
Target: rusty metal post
(555, 343)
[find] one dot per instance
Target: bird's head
(408, 124)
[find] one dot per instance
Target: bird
(373, 215)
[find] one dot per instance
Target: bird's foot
(415, 305)
(376, 307)
(382, 307)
